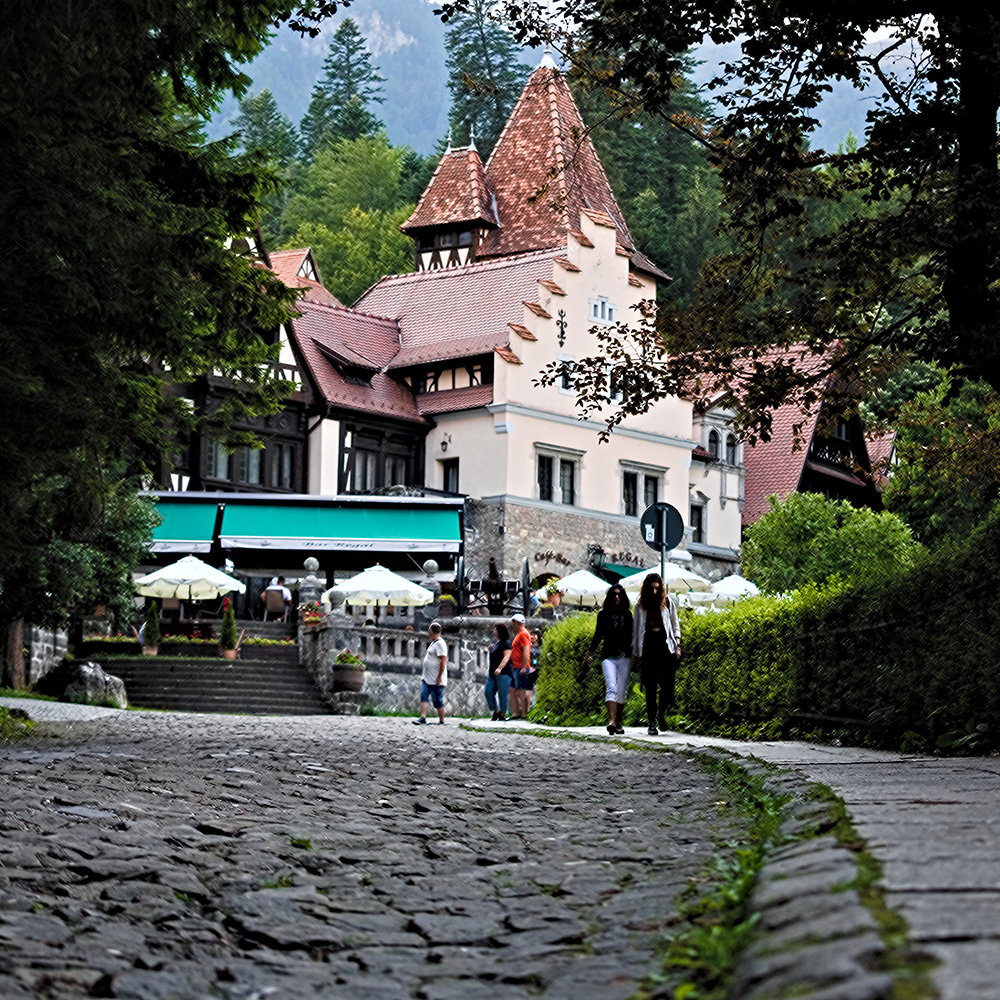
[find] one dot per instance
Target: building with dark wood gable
(516, 260)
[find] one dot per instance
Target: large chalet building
(427, 386)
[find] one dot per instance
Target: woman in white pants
(614, 634)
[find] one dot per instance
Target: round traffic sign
(661, 526)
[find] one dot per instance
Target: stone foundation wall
(46, 648)
(554, 539)
(558, 540)
(393, 661)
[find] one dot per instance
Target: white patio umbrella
(188, 579)
(676, 579)
(379, 586)
(732, 588)
(582, 588)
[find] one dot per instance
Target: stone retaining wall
(393, 660)
(46, 648)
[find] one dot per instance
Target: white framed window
(557, 475)
(732, 450)
(641, 487)
(566, 383)
(603, 311)
(699, 519)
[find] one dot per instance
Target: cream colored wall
(480, 450)
(324, 449)
(723, 509)
(599, 466)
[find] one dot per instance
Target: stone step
(216, 685)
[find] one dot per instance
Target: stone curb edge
(818, 940)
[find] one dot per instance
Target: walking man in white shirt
(434, 677)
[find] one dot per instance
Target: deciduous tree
(807, 538)
(915, 274)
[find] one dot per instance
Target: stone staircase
(264, 680)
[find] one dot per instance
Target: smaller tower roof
(457, 193)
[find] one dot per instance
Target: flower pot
(555, 598)
(149, 650)
(348, 678)
(228, 654)
(446, 609)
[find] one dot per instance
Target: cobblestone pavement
(932, 823)
(160, 856)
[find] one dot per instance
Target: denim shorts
(524, 682)
(434, 693)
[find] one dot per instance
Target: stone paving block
(968, 969)
(824, 965)
(948, 916)
(772, 891)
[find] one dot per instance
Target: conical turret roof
(545, 172)
(457, 193)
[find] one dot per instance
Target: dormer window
(465, 239)
(448, 239)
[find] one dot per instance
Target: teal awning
(622, 570)
(348, 528)
(186, 528)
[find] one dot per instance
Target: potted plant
(228, 643)
(348, 672)
(312, 614)
(552, 594)
(446, 606)
(151, 630)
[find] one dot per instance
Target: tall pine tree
(485, 76)
(264, 129)
(339, 108)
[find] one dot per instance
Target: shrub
(227, 633)
(568, 693)
(151, 630)
(909, 657)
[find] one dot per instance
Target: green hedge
(912, 660)
(566, 693)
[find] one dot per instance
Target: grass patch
(13, 726)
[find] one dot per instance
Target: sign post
(662, 529)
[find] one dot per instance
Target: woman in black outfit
(500, 675)
(614, 631)
(656, 645)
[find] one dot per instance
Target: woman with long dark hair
(656, 647)
(613, 633)
(500, 675)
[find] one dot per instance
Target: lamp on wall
(595, 556)
(445, 441)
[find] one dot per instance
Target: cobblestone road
(172, 856)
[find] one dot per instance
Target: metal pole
(663, 545)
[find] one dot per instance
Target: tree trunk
(12, 640)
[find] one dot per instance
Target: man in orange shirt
(520, 661)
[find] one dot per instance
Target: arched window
(731, 449)
(713, 443)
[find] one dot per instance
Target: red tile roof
(522, 331)
(545, 172)
(551, 286)
(702, 454)
(327, 335)
(286, 265)
(566, 264)
(537, 309)
(458, 311)
(458, 192)
(775, 466)
(452, 400)
(508, 355)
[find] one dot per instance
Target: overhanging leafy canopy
(887, 246)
